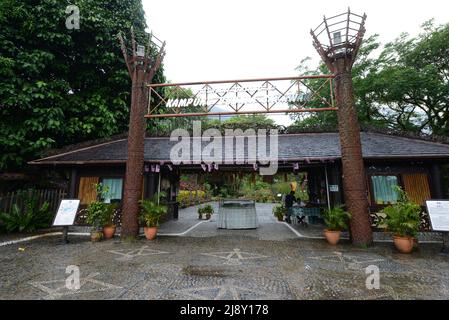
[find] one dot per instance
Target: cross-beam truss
(248, 96)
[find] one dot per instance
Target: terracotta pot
(150, 232)
(208, 216)
(109, 231)
(96, 236)
(403, 244)
(332, 237)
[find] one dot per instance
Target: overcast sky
(240, 39)
(232, 39)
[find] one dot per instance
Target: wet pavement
(272, 262)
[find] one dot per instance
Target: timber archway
(343, 36)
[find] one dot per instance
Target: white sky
(241, 39)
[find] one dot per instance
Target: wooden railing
(52, 196)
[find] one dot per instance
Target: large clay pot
(403, 244)
(96, 236)
(332, 237)
(150, 232)
(109, 231)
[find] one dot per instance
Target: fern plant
(30, 219)
(336, 219)
(152, 211)
(402, 218)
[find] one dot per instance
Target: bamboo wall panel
(416, 186)
(86, 191)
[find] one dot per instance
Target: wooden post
(340, 58)
(354, 183)
(141, 70)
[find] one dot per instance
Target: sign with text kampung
(66, 213)
(439, 214)
(245, 96)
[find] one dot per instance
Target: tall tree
(57, 85)
(405, 87)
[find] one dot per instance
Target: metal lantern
(339, 36)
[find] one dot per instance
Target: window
(383, 189)
(87, 192)
(114, 187)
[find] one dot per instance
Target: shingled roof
(292, 147)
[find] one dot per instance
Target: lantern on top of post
(338, 39)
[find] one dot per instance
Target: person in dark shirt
(289, 201)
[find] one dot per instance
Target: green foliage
(60, 86)
(279, 211)
(403, 217)
(31, 218)
(151, 211)
(404, 88)
(187, 198)
(207, 209)
(100, 214)
(336, 219)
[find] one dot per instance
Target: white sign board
(66, 212)
(439, 214)
(333, 188)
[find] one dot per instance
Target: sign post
(439, 219)
(66, 215)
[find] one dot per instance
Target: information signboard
(66, 213)
(439, 214)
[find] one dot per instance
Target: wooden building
(390, 160)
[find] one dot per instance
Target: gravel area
(271, 262)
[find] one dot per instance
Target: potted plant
(109, 227)
(150, 214)
(403, 220)
(208, 210)
(336, 220)
(279, 212)
(95, 219)
(200, 213)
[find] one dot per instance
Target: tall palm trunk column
(354, 183)
(142, 65)
(338, 40)
(135, 161)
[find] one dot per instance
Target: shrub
(279, 211)
(336, 219)
(151, 212)
(98, 214)
(402, 218)
(31, 218)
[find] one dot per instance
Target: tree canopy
(405, 87)
(60, 86)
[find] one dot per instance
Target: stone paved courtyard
(271, 262)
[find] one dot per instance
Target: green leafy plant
(336, 219)
(403, 217)
(108, 213)
(208, 210)
(152, 211)
(31, 218)
(279, 211)
(95, 214)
